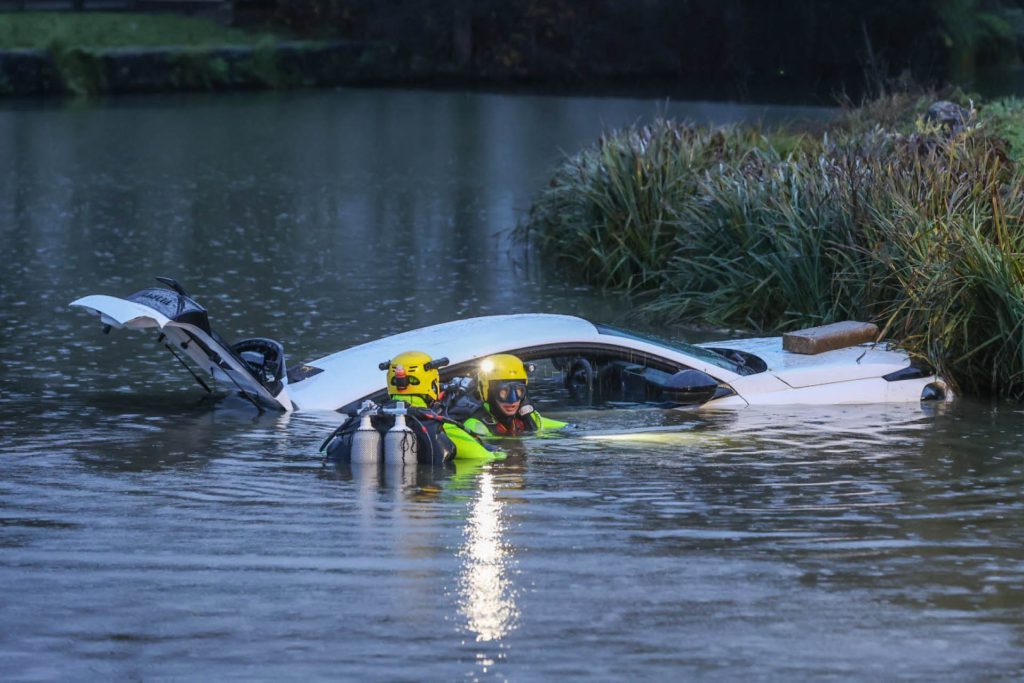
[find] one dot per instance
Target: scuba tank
(365, 437)
(400, 443)
(365, 442)
(356, 443)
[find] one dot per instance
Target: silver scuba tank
(366, 439)
(400, 444)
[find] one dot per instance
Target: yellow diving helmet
(414, 373)
(505, 375)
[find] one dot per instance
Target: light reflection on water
(488, 599)
(149, 533)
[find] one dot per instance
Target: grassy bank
(885, 217)
(100, 53)
(44, 30)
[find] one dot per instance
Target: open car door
(255, 367)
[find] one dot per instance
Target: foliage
(612, 210)
(732, 46)
(1006, 120)
(200, 69)
(977, 24)
(264, 65)
(80, 70)
(898, 111)
(904, 224)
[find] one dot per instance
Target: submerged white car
(584, 362)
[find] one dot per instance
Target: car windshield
(689, 349)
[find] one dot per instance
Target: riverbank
(96, 71)
(889, 215)
(60, 54)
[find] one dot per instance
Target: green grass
(882, 218)
(41, 30)
(1006, 119)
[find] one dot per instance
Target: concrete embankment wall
(124, 70)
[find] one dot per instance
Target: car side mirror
(689, 387)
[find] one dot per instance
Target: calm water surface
(147, 533)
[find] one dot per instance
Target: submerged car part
(255, 367)
(589, 362)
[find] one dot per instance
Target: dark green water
(146, 534)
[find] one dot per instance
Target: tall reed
(921, 231)
(611, 212)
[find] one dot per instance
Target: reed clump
(906, 223)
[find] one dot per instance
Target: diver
(413, 386)
(413, 379)
(501, 408)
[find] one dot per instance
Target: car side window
(599, 378)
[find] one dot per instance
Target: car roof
(353, 373)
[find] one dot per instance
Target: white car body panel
(844, 376)
(802, 370)
(871, 390)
